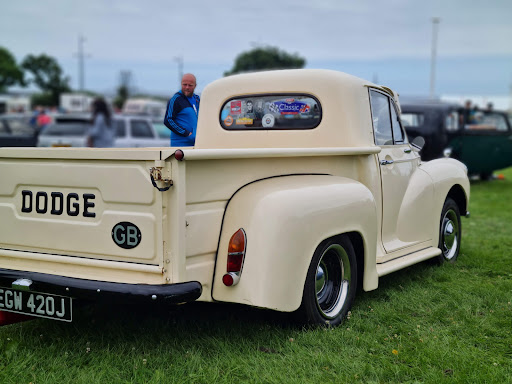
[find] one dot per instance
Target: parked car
(482, 140)
(16, 131)
(71, 131)
(162, 131)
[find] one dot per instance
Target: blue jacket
(181, 119)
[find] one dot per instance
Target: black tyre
(449, 232)
(331, 283)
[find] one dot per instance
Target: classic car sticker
(268, 120)
(236, 107)
(244, 121)
(289, 107)
(228, 121)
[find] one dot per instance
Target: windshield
(483, 120)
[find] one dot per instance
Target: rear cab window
(271, 112)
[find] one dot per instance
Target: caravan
(155, 109)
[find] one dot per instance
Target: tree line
(45, 72)
(42, 70)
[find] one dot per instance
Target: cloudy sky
(385, 41)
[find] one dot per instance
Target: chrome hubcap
(450, 234)
(333, 277)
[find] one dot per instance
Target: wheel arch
(358, 243)
(286, 219)
(459, 196)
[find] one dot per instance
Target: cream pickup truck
(301, 188)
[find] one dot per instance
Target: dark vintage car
(480, 139)
(16, 131)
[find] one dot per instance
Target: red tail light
(11, 318)
(236, 254)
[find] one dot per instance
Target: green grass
(426, 324)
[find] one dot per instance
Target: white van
(147, 107)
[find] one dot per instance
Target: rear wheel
(450, 232)
(331, 283)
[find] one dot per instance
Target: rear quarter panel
(285, 219)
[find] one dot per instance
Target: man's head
(188, 84)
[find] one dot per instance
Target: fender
(285, 219)
(438, 170)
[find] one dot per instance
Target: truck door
(403, 201)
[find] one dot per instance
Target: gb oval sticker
(126, 235)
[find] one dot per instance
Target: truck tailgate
(82, 203)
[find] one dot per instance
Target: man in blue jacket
(181, 115)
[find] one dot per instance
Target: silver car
(131, 131)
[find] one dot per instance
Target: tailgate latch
(156, 174)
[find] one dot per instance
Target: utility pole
(435, 24)
(510, 100)
(179, 60)
(81, 56)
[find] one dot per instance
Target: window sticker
(289, 107)
(244, 121)
(249, 107)
(268, 120)
(228, 121)
(271, 111)
(236, 107)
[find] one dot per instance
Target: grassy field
(426, 324)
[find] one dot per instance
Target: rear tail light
(11, 318)
(236, 255)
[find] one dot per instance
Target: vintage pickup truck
(301, 188)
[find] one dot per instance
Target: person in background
(42, 120)
(182, 111)
(102, 132)
(33, 118)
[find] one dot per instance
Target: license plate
(36, 304)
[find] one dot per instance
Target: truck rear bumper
(99, 290)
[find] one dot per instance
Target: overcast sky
(388, 41)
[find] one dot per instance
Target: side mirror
(418, 143)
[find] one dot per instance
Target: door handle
(407, 150)
(386, 162)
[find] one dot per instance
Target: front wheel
(331, 283)
(449, 232)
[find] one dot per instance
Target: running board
(407, 260)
